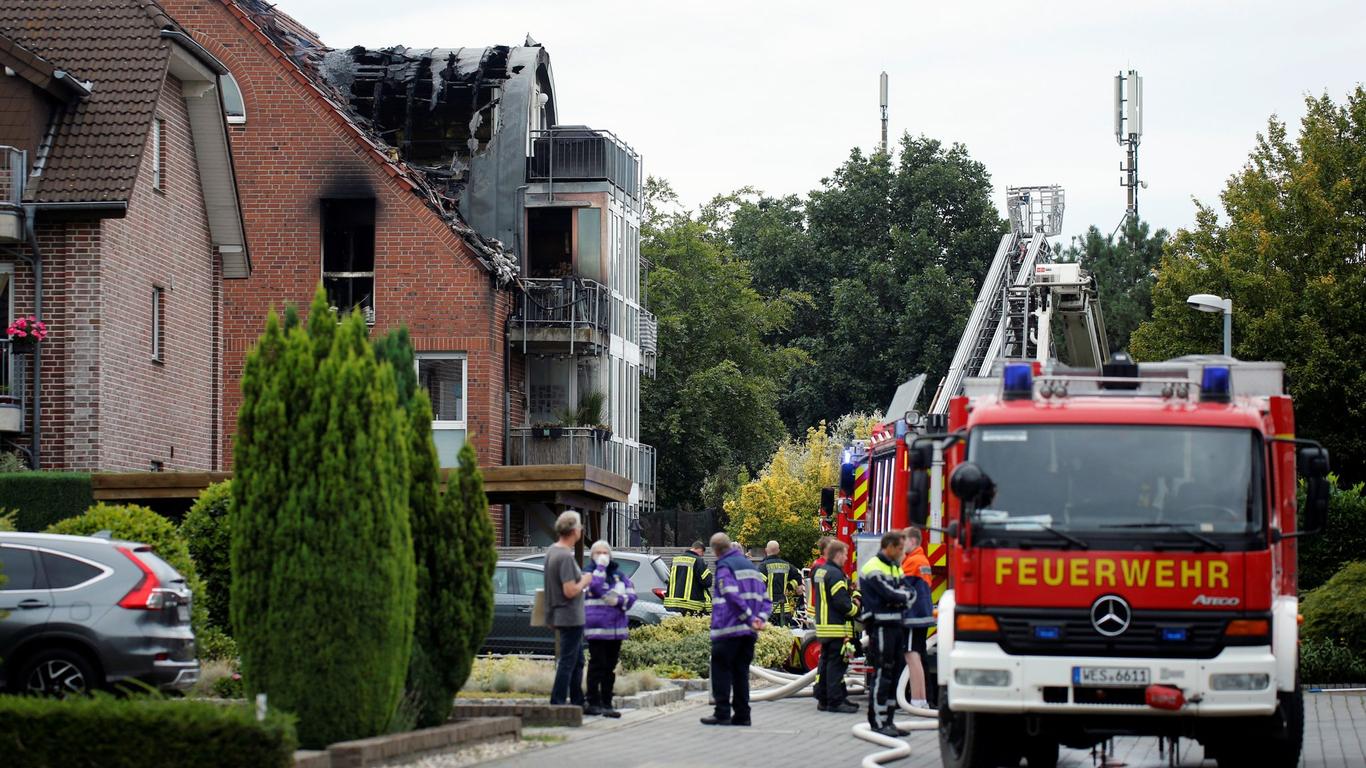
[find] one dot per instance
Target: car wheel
(59, 673)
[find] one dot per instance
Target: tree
(1292, 256)
(1124, 271)
(713, 401)
(472, 601)
(887, 256)
(323, 574)
(209, 540)
(780, 504)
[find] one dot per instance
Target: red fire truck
(1121, 559)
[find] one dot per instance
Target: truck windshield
(1152, 481)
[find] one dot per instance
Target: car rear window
(160, 567)
(63, 572)
(21, 572)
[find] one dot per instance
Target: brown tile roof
(116, 46)
(301, 52)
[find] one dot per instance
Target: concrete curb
(409, 745)
(650, 698)
(531, 712)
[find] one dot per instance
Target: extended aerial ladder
(1023, 292)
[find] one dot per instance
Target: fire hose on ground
(790, 685)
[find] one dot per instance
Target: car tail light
(148, 594)
(659, 592)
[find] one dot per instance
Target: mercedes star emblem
(1110, 615)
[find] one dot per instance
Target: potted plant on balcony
(589, 414)
(25, 333)
(11, 413)
(546, 431)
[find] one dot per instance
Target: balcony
(649, 342)
(579, 153)
(13, 171)
(562, 315)
(585, 445)
(13, 408)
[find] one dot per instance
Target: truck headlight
(995, 678)
(1239, 682)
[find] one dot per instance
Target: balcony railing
(563, 445)
(572, 304)
(649, 341)
(13, 171)
(13, 389)
(579, 153)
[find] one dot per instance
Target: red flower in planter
(27, 328)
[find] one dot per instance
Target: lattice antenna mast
(1128, 134)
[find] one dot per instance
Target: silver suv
(88, 612)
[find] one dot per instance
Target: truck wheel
(966, 739)
(1277, 740)
(1040, 752)
(810, 653)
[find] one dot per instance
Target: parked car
(88, 612)
(514, 591)
(649, 573)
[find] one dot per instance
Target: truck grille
(1156, 634)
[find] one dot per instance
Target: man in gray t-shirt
(564, 586)
(562, 568)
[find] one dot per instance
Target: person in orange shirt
(916, 564)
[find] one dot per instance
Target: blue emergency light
(1047, 632)
(1174, 634)
(1018, 381)
(1216, 384)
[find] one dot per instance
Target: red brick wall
(106, 404)
(293, 151)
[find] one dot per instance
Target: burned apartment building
(435, 189)
(481, 124)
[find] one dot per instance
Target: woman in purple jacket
(610, 596)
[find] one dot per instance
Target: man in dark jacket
(833, 613)
(740, 609)
(689, 581)
(885, 598)
(783, 580)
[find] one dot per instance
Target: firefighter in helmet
(689, 583)
(783, 582)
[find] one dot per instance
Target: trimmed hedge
(105, 732)
(45, 498)
(1341, 541)
(206, 533)
(1333, 639)
(684, 642)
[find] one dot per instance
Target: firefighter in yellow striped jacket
(689, 583)
(834, 612)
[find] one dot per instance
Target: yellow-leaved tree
(782, 504)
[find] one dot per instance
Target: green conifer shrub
(323, 577)
(209, 539)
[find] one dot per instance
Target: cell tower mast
(884, 113)
(1129, 132)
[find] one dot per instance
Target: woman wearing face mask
(610, 596)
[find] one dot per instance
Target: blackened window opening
(349, 255)
(550, 242)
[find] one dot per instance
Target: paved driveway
(793, 733)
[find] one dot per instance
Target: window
(502, 581)
(20, 569)
(158, 323)
(529, 580)
(234, 107)
(158, 142)
(443, 376)
(65, 572)
(349, 255)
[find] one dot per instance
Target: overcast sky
(717, 95)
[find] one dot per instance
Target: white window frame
(464, 383)
(158, 137)
(7, 309)
(232, 96)
(158, 331)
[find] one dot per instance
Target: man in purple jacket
(610, 596)
(740, 608)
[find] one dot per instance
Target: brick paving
(792, 732)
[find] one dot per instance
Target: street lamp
(1208, 302)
